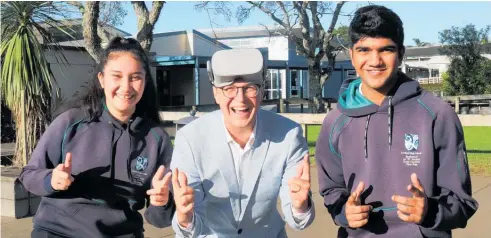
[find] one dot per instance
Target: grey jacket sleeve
(36, 175)
(183, 159)
(162, 216)
(453, 205)
(298, 149)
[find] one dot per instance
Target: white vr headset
(229, 65)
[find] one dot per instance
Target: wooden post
(457, 105)
(301, 107)
(24, 126)
(282, 105)
(305, 128)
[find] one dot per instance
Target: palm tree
(27, 83)
(420, 43)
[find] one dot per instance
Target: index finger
(306, 167)
(358, 209)
(175, 181)
(183, 180)
(68, 160)
(403, 200)
(159, 174)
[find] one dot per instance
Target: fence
(470, 104)
(307, 120)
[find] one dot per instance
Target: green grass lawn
(477, 140)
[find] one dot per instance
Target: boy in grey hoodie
(391, 158)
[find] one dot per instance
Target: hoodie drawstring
(390, 121)
(365, 140)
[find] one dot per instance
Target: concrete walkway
(478, 225)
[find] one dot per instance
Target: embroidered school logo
(141, 163)
(411, 141)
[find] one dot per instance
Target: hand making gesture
(412, 209)
(183, 197)
(300, 186)
(159, 194)
(61, 177)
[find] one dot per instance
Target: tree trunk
(37, 119)
(146, 21)
(316, 102)
(91, 38)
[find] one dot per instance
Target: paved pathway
(323, 226)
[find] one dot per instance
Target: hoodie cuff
(431, 216)
(341, 219)
(47, 183)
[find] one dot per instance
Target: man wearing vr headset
(230, 166)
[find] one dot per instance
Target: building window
(435, 73)
(272, 86)
(295, 86)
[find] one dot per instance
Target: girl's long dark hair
(92, 102)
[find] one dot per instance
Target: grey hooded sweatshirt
(412, 131)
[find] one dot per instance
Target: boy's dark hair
(376, 21)
(92, 102)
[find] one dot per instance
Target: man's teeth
(240, 109)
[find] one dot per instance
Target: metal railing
(430, 80)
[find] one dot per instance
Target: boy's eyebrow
(389, 47)
(361, 47)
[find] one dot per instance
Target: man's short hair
(377, 22)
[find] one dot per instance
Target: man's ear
(215, 94)
(351, 55)
(261, 92)
(100, 76)
(401, 53)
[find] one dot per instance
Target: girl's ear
(100, 76)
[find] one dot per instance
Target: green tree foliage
(27, 82)
(469, 71)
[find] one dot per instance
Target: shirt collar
(135, 122)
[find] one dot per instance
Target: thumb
(60, 167)
(68, 163)
(351, 199)
(359, 190)
(416, 188)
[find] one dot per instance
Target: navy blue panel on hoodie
(412, 131)
(112, 166)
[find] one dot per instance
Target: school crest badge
(411, 142)
(141, 163)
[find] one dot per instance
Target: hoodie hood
(351, 103)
